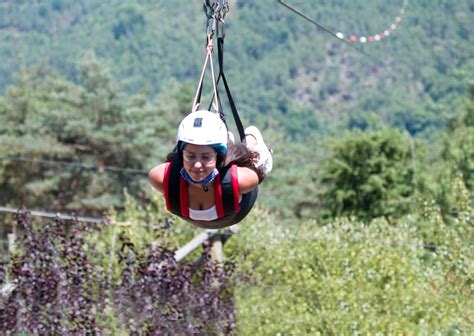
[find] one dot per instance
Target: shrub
(351, 278)
(63, 285)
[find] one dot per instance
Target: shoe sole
(261, 148)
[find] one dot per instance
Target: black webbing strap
(174, 187)
(235, 114)
(227, 190)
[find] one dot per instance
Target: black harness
(226, 196)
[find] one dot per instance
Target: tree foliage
(78, 145)
(459, 147)
(369, 175)
(411, 275)
(408, 276)
(277, 63)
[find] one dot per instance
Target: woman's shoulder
(156, 176)
(247, 179)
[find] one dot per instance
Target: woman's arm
(248, 179)
(156, 177)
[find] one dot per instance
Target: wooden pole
(11, 243)
(217, 253)
(12, 239)
(194, 243)
(217, 259)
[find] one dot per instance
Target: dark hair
(241, 156)
(237, 154)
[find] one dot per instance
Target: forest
(365, 224)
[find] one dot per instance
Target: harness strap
(235, 114)
(230, 189)
(218, 197)
(172, 187)
(184, 197)
(226, 191)
(166, 183)
(227, 204)
(208, 59)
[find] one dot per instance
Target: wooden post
(12, 239)
(217, 253)
(11, 243)
(194, 243)
(217, 259)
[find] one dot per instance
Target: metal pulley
(215, 11)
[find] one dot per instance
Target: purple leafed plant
(58, 289)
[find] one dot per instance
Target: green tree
(129, 19)
(457, 165)
(105, 140)
(459, 145)
(369, 175)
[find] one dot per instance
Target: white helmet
(203, 128)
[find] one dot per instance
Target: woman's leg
(254, 141)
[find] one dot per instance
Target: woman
(207, 179)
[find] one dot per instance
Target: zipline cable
(327, 30)
(352, 38)
(57, 215)
(76, 165)
(81, 219)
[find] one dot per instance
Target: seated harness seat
(226, 196)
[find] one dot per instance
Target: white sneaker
(230, 137)
(265, 162)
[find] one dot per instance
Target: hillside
(280, 67)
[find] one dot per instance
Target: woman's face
(199, 161)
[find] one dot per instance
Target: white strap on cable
(197, 97)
